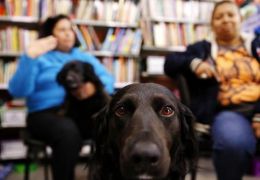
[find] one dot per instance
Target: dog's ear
(188, 152)
(96, 163)
(101, 167)
(101, 128)
(90, 75)
(60, 77)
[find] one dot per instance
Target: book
(159, 30)
(155, 65)
(107, 42)
(137, 42)
(80, 37)
(95, 38)
(87, 37)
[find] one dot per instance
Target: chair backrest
(183, 89)
(186, 99)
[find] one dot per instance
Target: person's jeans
(234, 144)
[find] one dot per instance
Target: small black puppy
(73, 76)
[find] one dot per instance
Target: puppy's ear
(188, 137)
(60, 77)
(90, 75)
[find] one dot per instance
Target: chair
(38, 150)
(202, 130)
(34, 148)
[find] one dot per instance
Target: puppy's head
(151, 132)
(76, 73)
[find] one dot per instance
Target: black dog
(145, 133)
(72, 76)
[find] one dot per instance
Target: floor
(206, 172)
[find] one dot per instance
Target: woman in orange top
(224, 80)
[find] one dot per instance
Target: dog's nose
(145, 154)
(72, 83)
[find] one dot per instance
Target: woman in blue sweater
(35, 80)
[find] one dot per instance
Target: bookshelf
(169, 26)
(126, 35)
(107, 29)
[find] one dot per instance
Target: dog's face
(150, 130)
(76, 73)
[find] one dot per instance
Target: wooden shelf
(19, 19)
(178, 20)
(152, 50)
(159, 79)
(104, 23)
(112, 54)
(3, 86)
(10, 54)
(95, 53)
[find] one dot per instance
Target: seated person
(35, 80)
(223, 76)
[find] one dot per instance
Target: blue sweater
(35, 79)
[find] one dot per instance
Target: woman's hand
(41, 46)
(205, 70)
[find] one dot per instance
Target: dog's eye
(120, 111)
(166, 111)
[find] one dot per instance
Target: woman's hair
(49, 24)
(219, 3)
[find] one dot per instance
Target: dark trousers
(62, 135)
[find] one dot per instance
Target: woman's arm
(23, 81)
(180, 62)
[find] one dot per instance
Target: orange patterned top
(239, 75)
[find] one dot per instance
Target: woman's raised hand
(41, 46)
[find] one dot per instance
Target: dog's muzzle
(145, 160)
(72, 82)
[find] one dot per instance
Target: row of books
(34, 8)
(172, 34)
(13, 117)
(116, 40)
(13, 149)
(177, 9)
(14, 39)
(126, 11)
(7, 69)
(123, 69)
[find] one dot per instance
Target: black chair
(38, 151)
(202, 130)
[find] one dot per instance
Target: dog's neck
(89, 106)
